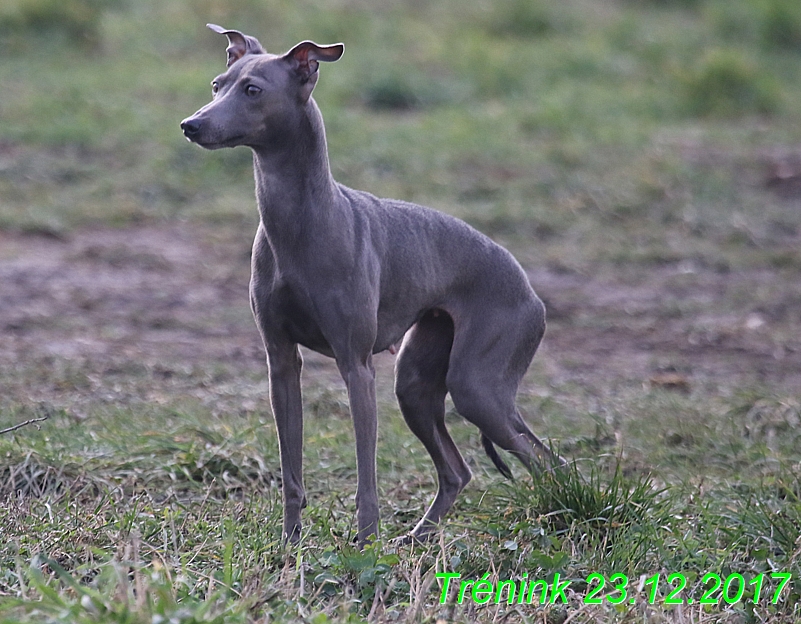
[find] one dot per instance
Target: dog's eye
(252, 90)
(215, 87)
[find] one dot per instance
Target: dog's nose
(191, 127)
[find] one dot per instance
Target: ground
(174, 297)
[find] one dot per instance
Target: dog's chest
(295, 312)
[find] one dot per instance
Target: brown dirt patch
(145, 313)
(724, 330)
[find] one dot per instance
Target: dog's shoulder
(400, 215)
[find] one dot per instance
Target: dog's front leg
(285, 363)
(359, 376)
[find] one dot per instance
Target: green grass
(620, 147)
(530, 122)
(180, 517)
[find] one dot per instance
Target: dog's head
(261, 95)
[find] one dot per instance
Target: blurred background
(609, 130)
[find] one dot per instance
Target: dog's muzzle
(191, 128)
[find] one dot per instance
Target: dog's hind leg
(420, 372)
(488, 359)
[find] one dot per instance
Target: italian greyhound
(346, 274)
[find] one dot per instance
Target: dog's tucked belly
(305, 332)
(301, 327)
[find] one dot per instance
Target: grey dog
(346, 274)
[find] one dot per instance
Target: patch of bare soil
(145, 313)
(678, 326)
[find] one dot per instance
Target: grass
(180, 518)
(639, 157)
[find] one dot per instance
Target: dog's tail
(489, 449)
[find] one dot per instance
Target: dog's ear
(304, 59)
(238, 44)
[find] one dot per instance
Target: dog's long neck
(295, 190)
